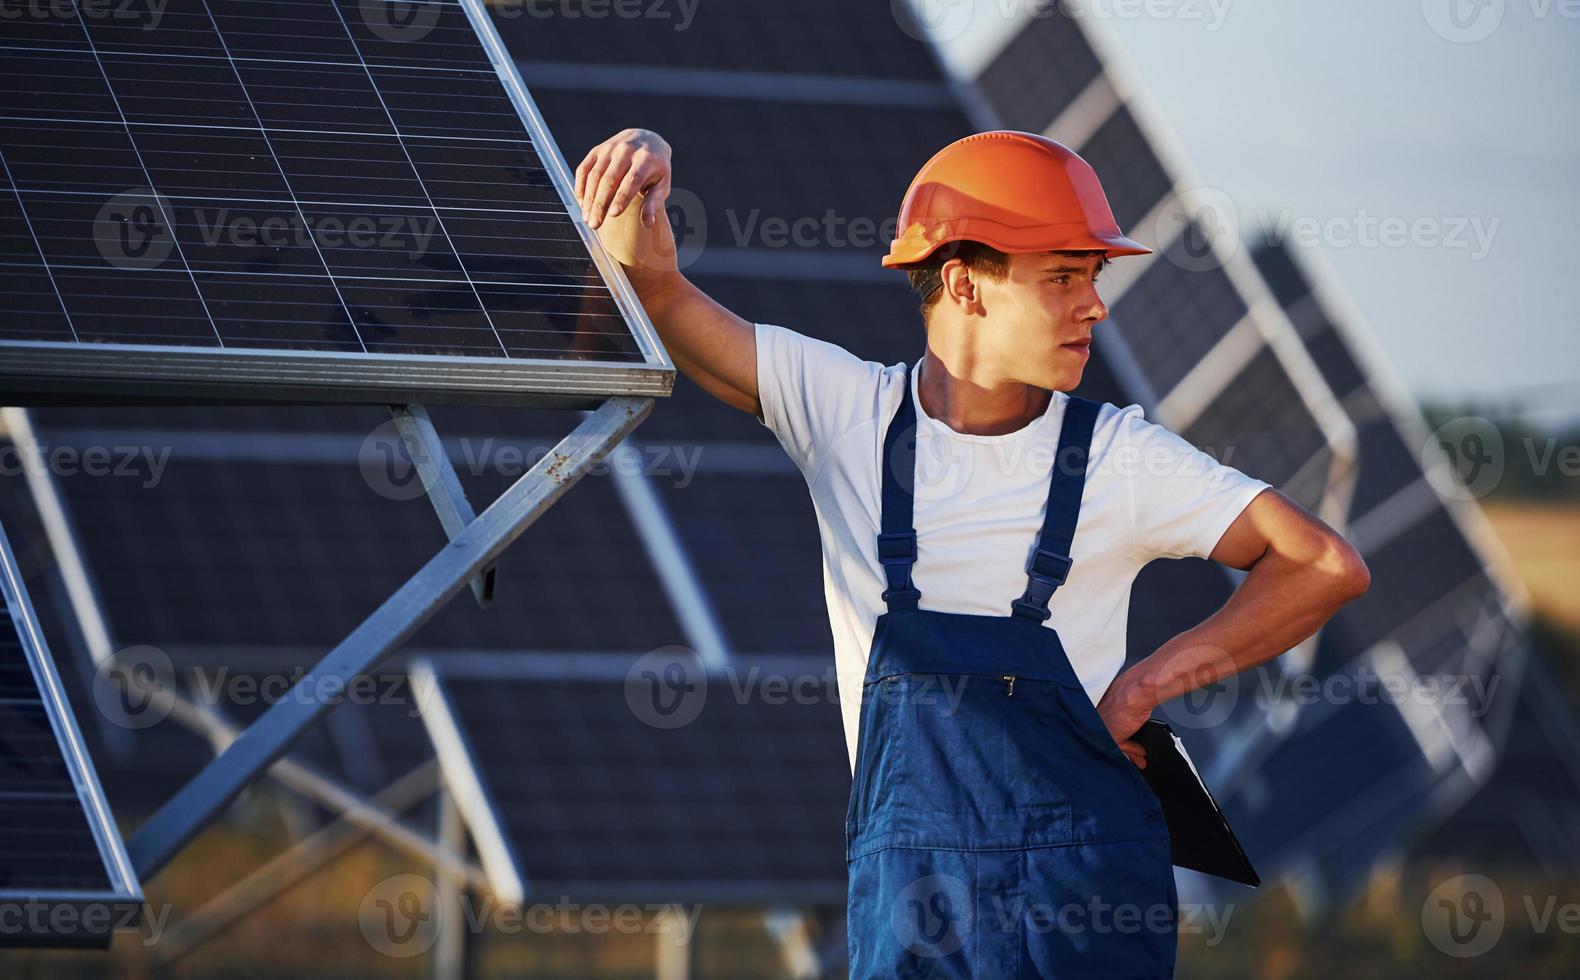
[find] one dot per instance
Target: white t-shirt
(979, 503)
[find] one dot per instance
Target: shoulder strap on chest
(1050, 562)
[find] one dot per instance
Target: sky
(1332, 117)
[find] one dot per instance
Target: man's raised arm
(621, 185)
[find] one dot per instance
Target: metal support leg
(289, 867)
(442, 483)
(790, 929)
(674, 958)
(197, 803)
(449, 953)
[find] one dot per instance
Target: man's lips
(1084, 346)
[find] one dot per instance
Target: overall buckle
(897, 553)
(1048, 571)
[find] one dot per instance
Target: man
(981, 528)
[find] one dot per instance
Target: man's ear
(960, 286)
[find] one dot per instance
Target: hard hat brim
(910, 251)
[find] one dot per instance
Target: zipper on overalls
(1009, 691)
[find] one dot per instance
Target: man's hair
(925, 278)
(927, 283)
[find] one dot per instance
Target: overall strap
(897, 540)
(1050, 563)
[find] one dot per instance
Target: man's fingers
(594, 174)
(634, 179)
(604, 186)
(1137, 754)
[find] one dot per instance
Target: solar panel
(274, 544)
(1039, 72)
(1173, 314)
(602, 787)
(64, 877)
(314, 200)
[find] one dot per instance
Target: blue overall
(995, 828)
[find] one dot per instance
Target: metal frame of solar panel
(196, 203)
(65, 879)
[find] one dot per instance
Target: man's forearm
(1279, 603)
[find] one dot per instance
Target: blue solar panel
(300, 200)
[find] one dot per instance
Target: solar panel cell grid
(1259, 424)
(1133, 176)
(1175, 313)
(315, 152)
(1039, 73)
(823, 37)
(748, 794)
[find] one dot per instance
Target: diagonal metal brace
(442, 483)
(202, 799)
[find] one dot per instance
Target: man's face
(1039, 319)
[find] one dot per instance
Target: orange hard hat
(1013, 191)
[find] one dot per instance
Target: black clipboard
(1198, 833)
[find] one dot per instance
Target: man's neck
(972, 408)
